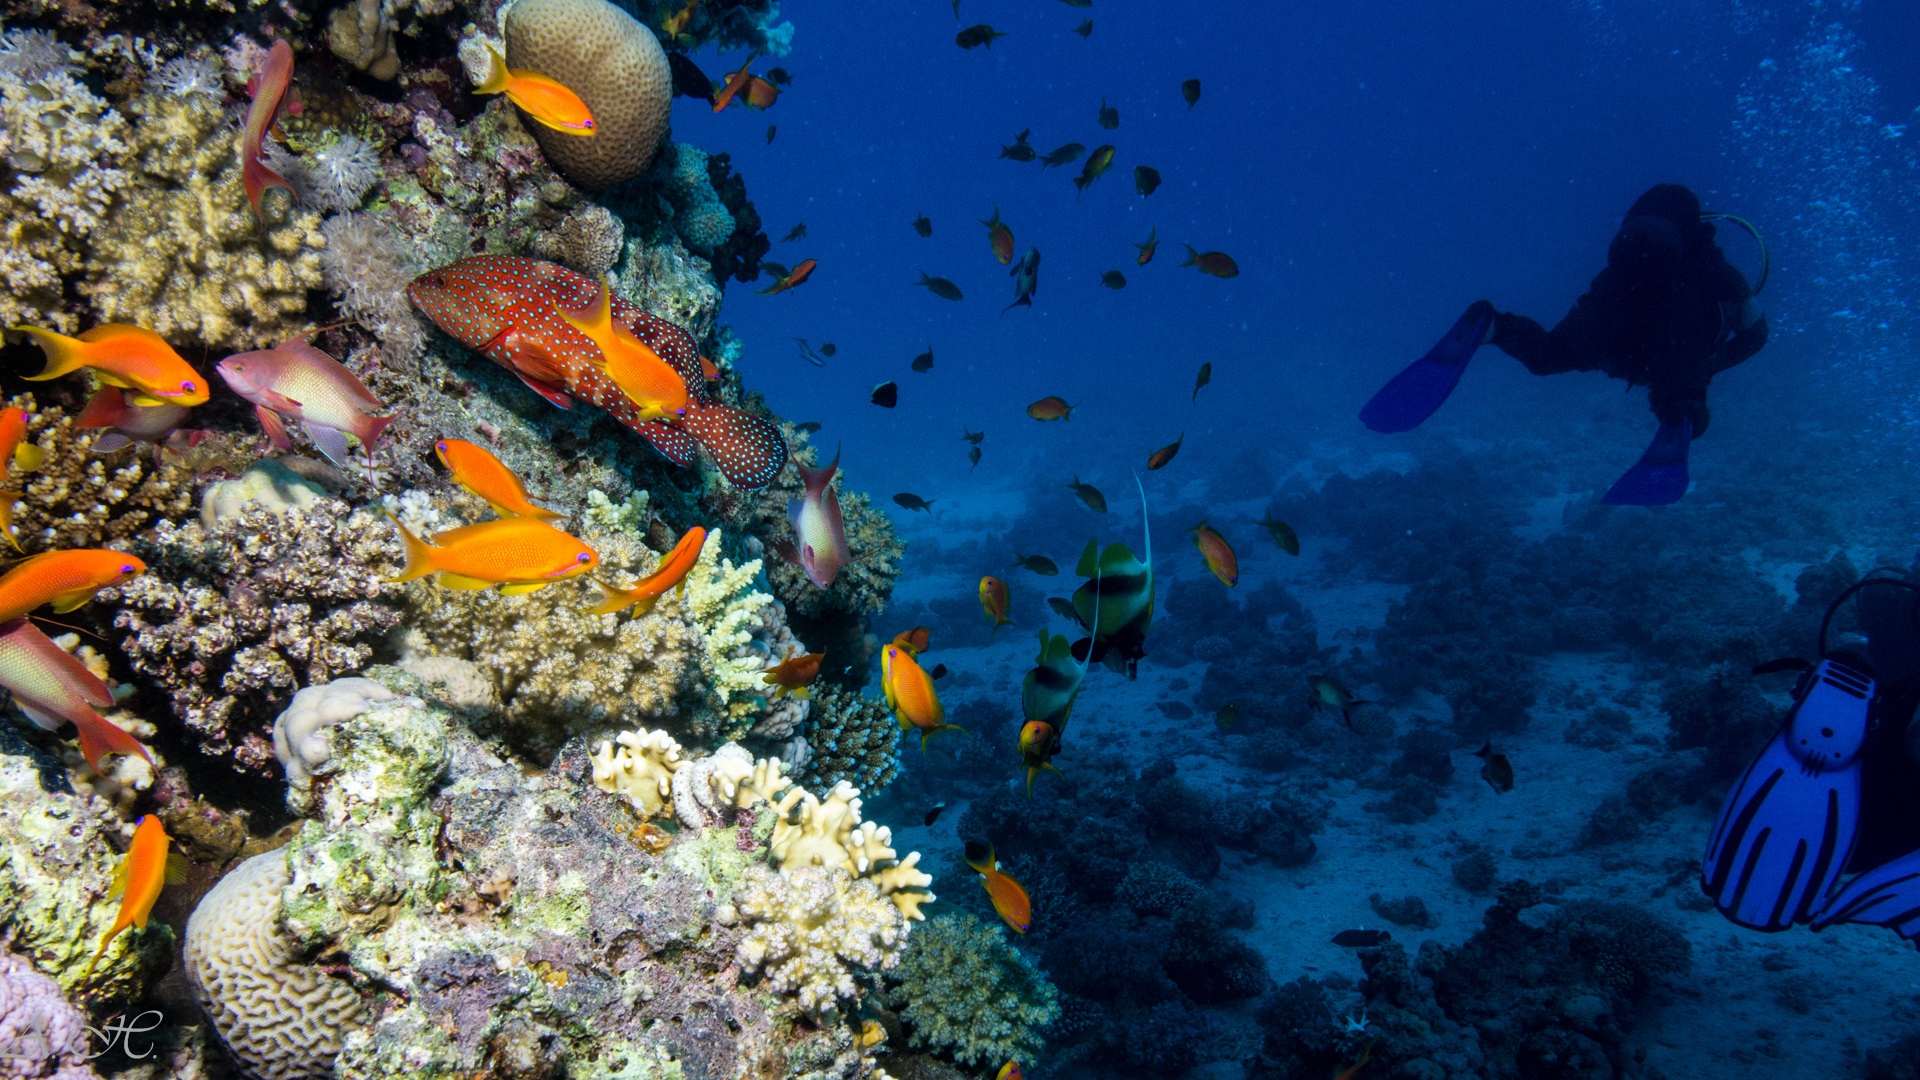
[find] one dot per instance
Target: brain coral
(280, 1019)
(43, 1035)
(616, 66)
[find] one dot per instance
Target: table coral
(851, 738)
(969, 994)
(231, 619)
(183, 253)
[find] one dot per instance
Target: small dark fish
(924, 362)
(1146, 179)
(1051, 407)
(939, 672)
(808, 426)
(973, 455)
(1147, 249)
(923, 226)
(1019, 151)
(1202, 379)
(807, 353)
(1160, 458)
(828, 348)
(1077, 3)
(688, 79)
(1114, 279)
(1065, 155)
(1361, 939)
(779, 77)
(798, 232)
(973, 437)
(1191, 91)
(1109, 116)
(1281, 532)
(933, 815)
(773, 269)
(914, 502)
(1039, 564)
(1498, 771)
(1064, 608)
(770, 131)
(1324, 693)
(1085, 29)
(939, 286)
(1097, 165)
(1226, 716)
(999, 237)
(975, 36)
(1215, 263)
(886, 395)
(1089, 495)
(1026, 280)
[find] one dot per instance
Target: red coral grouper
(509, 310)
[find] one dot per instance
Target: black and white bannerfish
(1117, 600)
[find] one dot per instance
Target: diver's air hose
(1766, 261)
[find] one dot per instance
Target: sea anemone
(188, 76)
(31, 54)
(339, 175)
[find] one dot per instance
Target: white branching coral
(810, 832)
(727, 608)
(639, 765)
(812, 928)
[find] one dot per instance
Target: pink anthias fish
(295, 381)
(509, 310)
(51, 686)
(818, 531)
(127, 423)
(269, 89)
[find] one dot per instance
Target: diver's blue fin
(1887, 895)
(1788, 827)
(1660, 478)
(1413, 395)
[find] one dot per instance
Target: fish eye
(588, 125)
(583, 557)
(441, 446)
(187, 386)
(126, 569)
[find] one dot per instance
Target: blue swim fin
(1660, 478)
(1788, 827)
(1887, 896)
(1415, 393)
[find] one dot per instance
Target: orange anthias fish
(736, 81)
(1160, 458)
(1038, 744)
(820, 533)
(1051, 408)
(65, 579)
(545, 100)
(1217, 553)
(999, 238)
(1147, 249)
(671, 571)
(1009, 899)
(296, 381)
(131, 357)
(269, 91)
(793, 277)
(758, 93)
(655, 388)
(475, 468)
(1011, 1070)
(1216, 263)
(14, 446)
(521, 554)
(794, 674)
(137, 880)
(127, 423)
(910, 695)
(915, 641)
(995, 600)
(51, 686)
(676, 23)
(506, 308)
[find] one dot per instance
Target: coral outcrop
(78, 498)
(813, 928)
(302, 740)
(968, 994)
(851, 738)
(616, 66)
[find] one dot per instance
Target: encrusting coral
(967, 993)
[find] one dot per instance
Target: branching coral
(639, 765)
(698, 215)
(231, 619)
(81, 499)
(852, 738)
(183, 254)
(813, 928)
(969, 994)
(808, 831)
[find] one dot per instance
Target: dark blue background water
(1372, 166)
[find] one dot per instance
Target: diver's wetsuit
(1890, 781)
(1668, 312)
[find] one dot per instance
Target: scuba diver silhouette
(1668, 312)
(1836, 789)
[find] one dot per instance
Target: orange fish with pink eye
(546, 100)
(1010, 1071)
(65, 579)
(14, 446)
(1009, 898)
(521, 555)
(794, 675)
(995, 600)
(143, 870)
(475, 468)
(736, 82)
(910, 695)
(1217, 553)
(1160, 458)
(915, 641)
(672, 571)
(51, 686)
(657, 391)
(130, 357)
(999, 237)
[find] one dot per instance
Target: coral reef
(616, 66)
(43, 1036)
(968, 994)
(360, 32)
(78, 498)
(851, 738)
(811, 928)
(698, 215)
(267, 483)
(588, 240)
(367, 269)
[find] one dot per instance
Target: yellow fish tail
(420, 555)
(597, 326)
(65, 355)
(28, 456)
(928, 733)
(498, 77)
